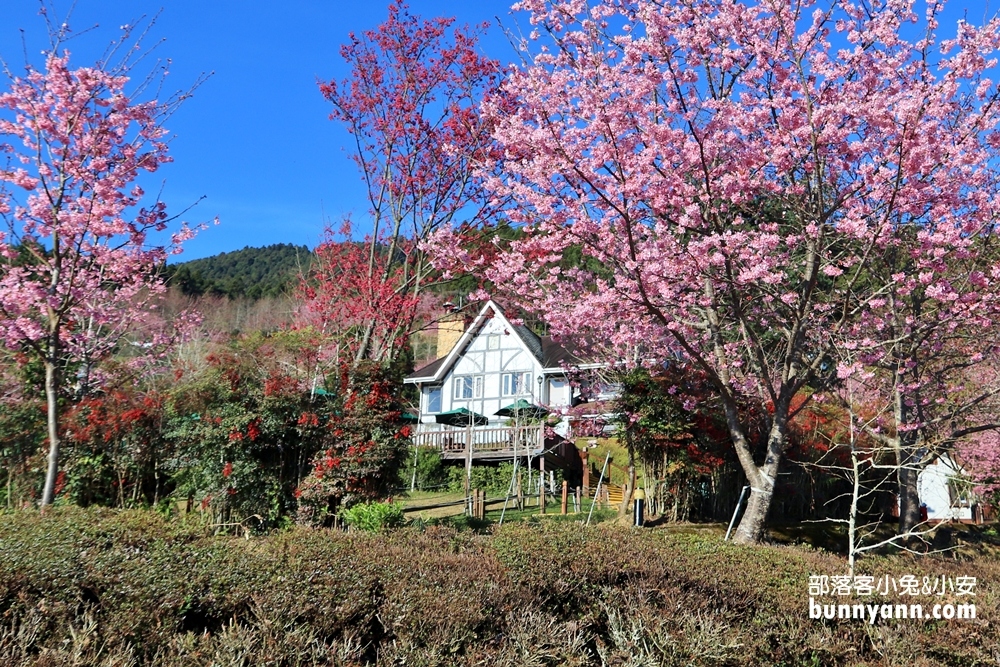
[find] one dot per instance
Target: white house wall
(932, 486)
(558, 392)
(494, 351)
(507, 355)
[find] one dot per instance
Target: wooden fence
(484, 439)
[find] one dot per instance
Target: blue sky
(255, 139)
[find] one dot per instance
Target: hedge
(92, 587)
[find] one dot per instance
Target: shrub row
(129, 588)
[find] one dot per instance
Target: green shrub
(98, 587)
(495, 480)
(431, 473)
(374, 517)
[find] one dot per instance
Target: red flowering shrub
(256, 436)
(247, 426)
(116, 454)
(366, 444)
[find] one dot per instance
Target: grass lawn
(429, 505)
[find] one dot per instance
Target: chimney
(449, 329)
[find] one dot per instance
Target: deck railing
(455, 440)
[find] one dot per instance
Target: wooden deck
(487, 443)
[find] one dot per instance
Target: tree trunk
(751, 529)
(628, 489)
(852, 521)
(52, 421)
(909, 498)
(364, 344)
(907, 462)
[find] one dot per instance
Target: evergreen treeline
(250, 273)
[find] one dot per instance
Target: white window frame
(516, 384)
(467, 387)
(493, 342)
(428, 393)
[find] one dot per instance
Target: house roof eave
(580, 367)
(446, 362)
(425, 373)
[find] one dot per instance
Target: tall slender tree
(79, 264)
(925, 352)
(411, 106)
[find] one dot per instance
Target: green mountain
(250, 273)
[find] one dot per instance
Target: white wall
(496, 350)
(559, 392)
(932, 487)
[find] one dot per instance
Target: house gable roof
(425, 373)
(549, 353)
(557, 355)
(530, 339)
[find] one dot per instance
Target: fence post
(541, 483)
(639, 500)
(468, 463)
(600, 482)
(565, 495)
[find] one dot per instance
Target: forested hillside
(249, 273)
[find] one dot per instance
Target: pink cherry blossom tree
(80, 252)
(981, 455)
(925, 351)
(411, 107)
(728, 171)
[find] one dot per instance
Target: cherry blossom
(730, 172)
(80, 262)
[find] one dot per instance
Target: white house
(942, 491)
(494, 364)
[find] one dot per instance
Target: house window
(468, 386)
(515, 384)
(493, 342)
(433, 399)
(557, 392)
